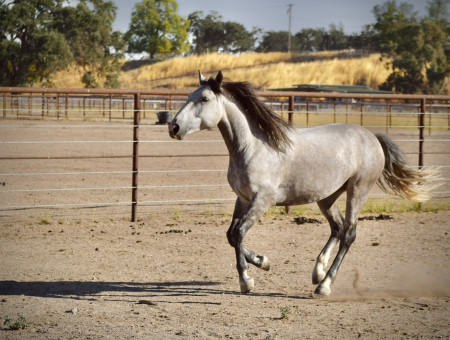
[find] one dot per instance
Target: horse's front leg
(238, 229)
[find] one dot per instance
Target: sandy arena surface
(175, 278)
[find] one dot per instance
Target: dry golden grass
(362, 71)
(70, 78)
(264, 70)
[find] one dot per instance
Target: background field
(264, 70)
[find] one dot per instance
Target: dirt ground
(89, 273)
(175, 278)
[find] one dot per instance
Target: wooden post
(134, 190)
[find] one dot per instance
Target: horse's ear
(219, 78)
(201, 78)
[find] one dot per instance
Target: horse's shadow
(135, 291)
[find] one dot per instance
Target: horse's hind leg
(336, 221)
(356, 198)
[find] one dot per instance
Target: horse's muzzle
(174, 129)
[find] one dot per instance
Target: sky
(271, 15)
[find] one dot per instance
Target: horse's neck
(235, 130)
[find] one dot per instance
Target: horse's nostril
(175, 129)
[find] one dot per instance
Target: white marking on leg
(322, 262)
(246, 283)
(265, 263)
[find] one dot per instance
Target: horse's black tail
(400, 178)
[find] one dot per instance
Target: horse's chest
(240, 183)
(247, 180)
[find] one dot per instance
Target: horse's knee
(233, 233)
(230, 237)
(349, 236)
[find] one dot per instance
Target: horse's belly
(307, 186)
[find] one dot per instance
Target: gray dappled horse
(271, 163)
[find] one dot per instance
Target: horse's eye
(205, 99)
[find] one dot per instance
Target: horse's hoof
(265, 263)
(246, 285)
(322, 290)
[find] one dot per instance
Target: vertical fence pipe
(388, 115)
(346, 110)
(334, 110)
(134, 190)
(307, 111)
(30, 101)
(362, 114)
(66, 106)
(423, 103)
(84, 107)
(110, 106)
(291, 109)
(4, 105)
(57, 106)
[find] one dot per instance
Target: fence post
(134, 185)
(423, 103)
(388, 114)
(291, 110)
(307, 112)
(4, 105)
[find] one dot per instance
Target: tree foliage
(307, 40)
(417, 50)
(41, 37)
(277, 41)
(157, 28)
(212, 34)
(95, 47)
(31, 49)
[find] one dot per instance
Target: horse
(272, 163)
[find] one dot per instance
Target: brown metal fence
(421, 122)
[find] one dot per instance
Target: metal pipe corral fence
(403, 116)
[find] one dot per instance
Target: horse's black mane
(274, 127)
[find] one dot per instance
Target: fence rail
(419, 123)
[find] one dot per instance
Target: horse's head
(203, 109)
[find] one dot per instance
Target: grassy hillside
(265, 70)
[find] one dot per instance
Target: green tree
(438, 10)
(41, 37)
(237, 38)
(278, 41)
(157, 28)
(364, 40)
(211, 34)
(417, 50)
(334, 39)
(207, 31)
(31, 49)
(310, 39)
(96, 48)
